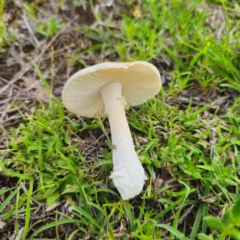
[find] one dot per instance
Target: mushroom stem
(128, 174)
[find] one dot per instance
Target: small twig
(36, 43)
(185, 215)
(12, 84)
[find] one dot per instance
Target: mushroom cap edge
(140, 81)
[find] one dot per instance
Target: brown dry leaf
(137, 13)
(55, 205)
(2, 225)
(120, 232)
(20, 234)
(157, 181)
(32, 83)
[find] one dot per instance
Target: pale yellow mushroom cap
(140, 81)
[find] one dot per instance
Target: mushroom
(109, 88)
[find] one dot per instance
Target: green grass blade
(173, 231)
(28, 210)
(87, 215)
(197, 223)
(8, 199)
(53, 224)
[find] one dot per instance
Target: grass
(2, 25)
(193, 148)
